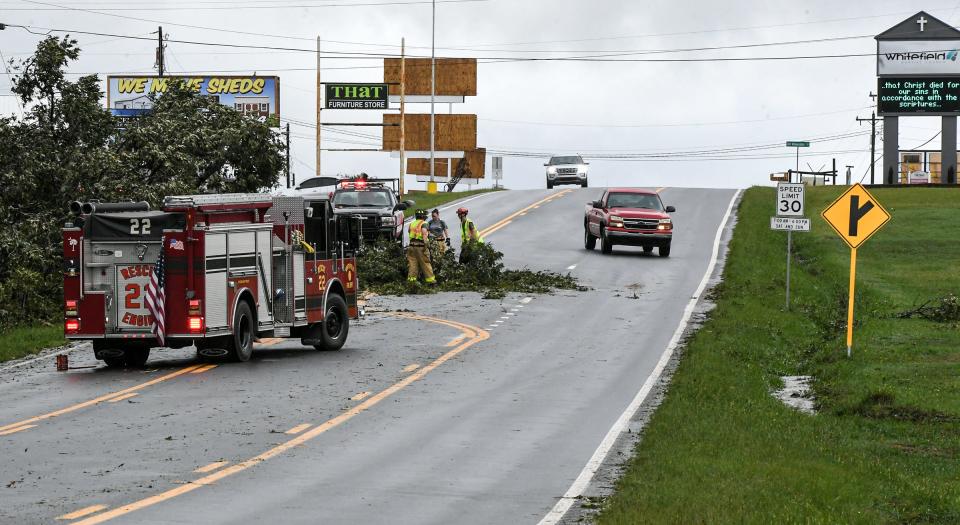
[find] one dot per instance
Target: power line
(489, 45)
(602, 57)
(101, 10)
(709, 152)
(680, 159)
(190, 26)
(689, 124)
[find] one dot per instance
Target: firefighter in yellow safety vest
(469, 234)
(418, 258)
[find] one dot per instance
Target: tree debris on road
(383, 269)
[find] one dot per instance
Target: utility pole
(288, 155)
(873, 137)
(160, 50)
(403, 92)
(319, 107)
(849, 175)
(432, 186)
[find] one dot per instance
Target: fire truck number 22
(236, 267)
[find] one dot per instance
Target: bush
(382, 269)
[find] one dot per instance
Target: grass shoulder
(22, 341)
(883, 446)
(429, 201)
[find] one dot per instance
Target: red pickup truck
(630, 217)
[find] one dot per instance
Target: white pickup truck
(566, 170)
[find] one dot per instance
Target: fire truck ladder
(463, 170)
(223, 198)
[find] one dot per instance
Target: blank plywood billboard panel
(422, 167)
(476, 162)
(455, 76)
(453, 132)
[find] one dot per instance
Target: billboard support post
(403, 84)
(948, 148)
(288, 155)
(319, 106)
(160, 50)
(432, 185)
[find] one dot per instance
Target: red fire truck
(235, 267)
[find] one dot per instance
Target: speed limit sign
(790, 199)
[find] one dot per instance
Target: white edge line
(583, 480)
(40, 357)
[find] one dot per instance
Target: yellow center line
(101, 399)
(361, 395)
(121, 398)
(14, 430)
(82, 512)
(411, 368)
(499, 224)
(474, 335)
(270, 341)
(492, 230)
(211, 467)
(298, 429)
(455, 341)
(660, 189)
(203, 369)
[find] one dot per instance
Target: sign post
(855, 216)
(790, 201)
(797, 144)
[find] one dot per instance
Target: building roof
(909, 29)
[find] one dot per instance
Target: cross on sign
(922, 21)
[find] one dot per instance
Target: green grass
(22, 341)
(429, 201)
(885, 445)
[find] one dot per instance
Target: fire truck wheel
(136, 357)
(114, 362)
(335, 324)
(241, 342)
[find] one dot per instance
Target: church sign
(918, 74)
(918, 57)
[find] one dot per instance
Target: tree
(69, 147)
(191, 144)
(50, 157)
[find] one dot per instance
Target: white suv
(566, 170)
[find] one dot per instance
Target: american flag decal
(156, 297)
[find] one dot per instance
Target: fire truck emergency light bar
(189, 201)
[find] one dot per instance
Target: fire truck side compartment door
(216, 280)
(265, 272)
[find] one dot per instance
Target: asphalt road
(463, 411)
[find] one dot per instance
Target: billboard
(918, 96)
(476, 164)
(255, 96)
(455, 76)
(356, 96)
(453, 132)
(918, 57)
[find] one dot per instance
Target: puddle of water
(796, 393)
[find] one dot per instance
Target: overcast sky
(546, 106)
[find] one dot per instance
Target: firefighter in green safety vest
(469, 234)
(418, 258)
